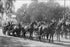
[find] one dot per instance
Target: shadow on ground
(11, 42)
(21, 42)
(62, 43)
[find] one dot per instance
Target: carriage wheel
(4, 32)
(8, 33)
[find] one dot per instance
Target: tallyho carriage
(36, 30)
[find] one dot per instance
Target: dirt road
(8, 41)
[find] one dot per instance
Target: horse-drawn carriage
(34, 29)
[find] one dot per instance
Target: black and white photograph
(34, 23)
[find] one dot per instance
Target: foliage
(9, 5)
(41, 11)
(8, 9)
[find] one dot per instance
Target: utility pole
(51, 0)
(64, 16)
(35, 0)
(64, 12)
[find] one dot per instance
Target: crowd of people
(18, 30)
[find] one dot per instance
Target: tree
(42, 11)
(21, 12)
(47, 11)
(9, 6)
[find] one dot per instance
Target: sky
(19, 3)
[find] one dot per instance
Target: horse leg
(58, 36)
(65, 35)
(8, 33)
(21, 33)
(47, 36)
(13, 33)
(24, 34)
(18, 33)
(44, 36)
(62, 34)
(31, 35)
(69, 35)
(52, 37)
(40, 36)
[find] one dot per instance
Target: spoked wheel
(8, 33)
(4, 32)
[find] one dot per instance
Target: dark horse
(66, 29)
(40, 32)
(59, 30)
(23, 31)
(49, 31)
(31, 29)
(17, 31)
(62, 28)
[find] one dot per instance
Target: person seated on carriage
(33, 24)
(31, 28)
(6, 27)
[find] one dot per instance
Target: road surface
(8, 41)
